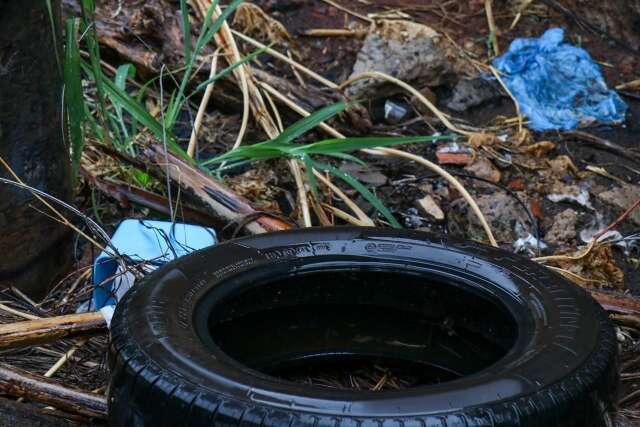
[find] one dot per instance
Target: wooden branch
(19, 383)
(222, 203)
(603, 144)
(51, 329)
(126, 194)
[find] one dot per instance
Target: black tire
(555, 347)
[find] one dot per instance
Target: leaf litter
(539, 189)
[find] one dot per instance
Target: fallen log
(18, 383)
(41, 331)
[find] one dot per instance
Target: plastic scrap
(148, 244)
(528, 245)
(394, 112)
(557, 85)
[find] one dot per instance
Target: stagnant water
(362, 330)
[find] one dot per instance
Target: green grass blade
(186, 30)
(205, 25)
(368, 195)
(304, 125)
(74, 100)
(347, 157)
(227, 70)
(250, 152)
(139, 112)
(54, 32)
(120, 80)
(215, 26)
(124, 71)
(202, 41)
(346, 145)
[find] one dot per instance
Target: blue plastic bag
(153, 242)
(557, 85)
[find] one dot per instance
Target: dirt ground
(514, 178)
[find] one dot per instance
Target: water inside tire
(362, 329)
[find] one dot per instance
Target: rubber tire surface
(561, 372)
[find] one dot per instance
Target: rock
(430, 207)
(403, 49)
(505, 216)
(472, 93)
(621, 198)
(563, 229)
(365, 174)
(483, 168)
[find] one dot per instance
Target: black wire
(535, 224)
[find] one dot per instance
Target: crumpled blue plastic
(557, 85)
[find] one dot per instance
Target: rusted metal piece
(18, 383)
(50, 329)
(34, 247)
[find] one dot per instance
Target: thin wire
(165, 148)
(93, 226)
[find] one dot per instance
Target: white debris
(582, 198)
(529, 245)
(454, 147)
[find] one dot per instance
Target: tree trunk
(34, 249)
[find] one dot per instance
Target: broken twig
(18, 383)
(51, 329)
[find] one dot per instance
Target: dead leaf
(476, 140)
(538, 149)
(524, 137)
(563, 164)
(536, 209)
(598, 265)
(254, 21)
(365, 174)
